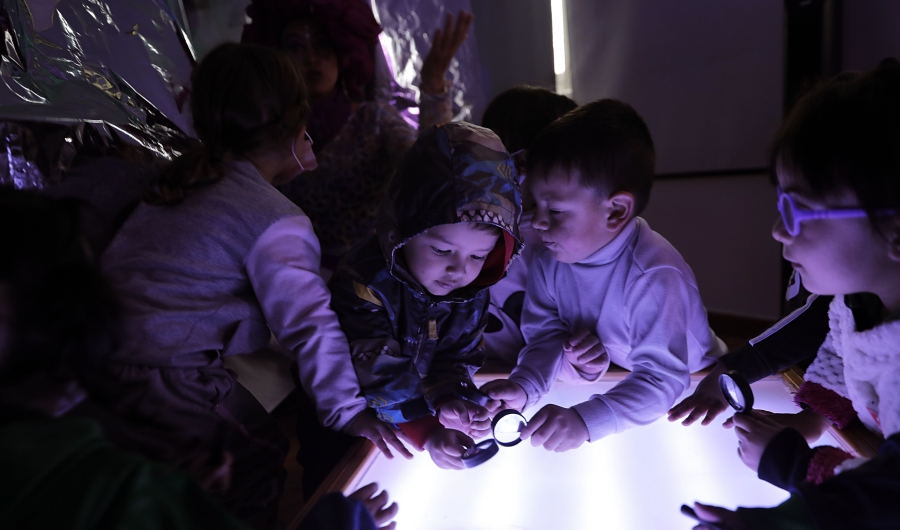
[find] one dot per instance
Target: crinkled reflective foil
(408, 26)
(120, 68)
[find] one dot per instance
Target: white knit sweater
(863, 367)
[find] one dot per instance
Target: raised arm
(434, 103)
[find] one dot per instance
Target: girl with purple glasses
(837, 169)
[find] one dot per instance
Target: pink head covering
(350, 25)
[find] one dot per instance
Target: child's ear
(621, 210)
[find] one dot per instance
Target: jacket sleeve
(395, 134)
(863, 497)
(388, 378)
(434, 109)
(791, 340)
(283, 268)
(785, 460)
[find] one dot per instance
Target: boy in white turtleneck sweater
(606, 288)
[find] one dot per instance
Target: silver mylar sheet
(408, 26)
(122, 66)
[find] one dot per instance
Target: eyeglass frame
(803, 214)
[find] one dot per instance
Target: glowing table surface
(637, 479)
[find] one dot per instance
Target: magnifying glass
(736, 391)
(505, 428)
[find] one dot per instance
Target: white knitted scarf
(863, 366)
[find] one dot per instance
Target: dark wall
(515, 43)
(871, 32)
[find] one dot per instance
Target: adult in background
(358, 141)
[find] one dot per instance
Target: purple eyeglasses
(793, 215)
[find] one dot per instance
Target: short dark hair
(845, 133)
(517, 115)
(609, 145)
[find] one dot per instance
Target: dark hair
(63, 311)
(349, 24)
(243, 98)
(609, 145)
(517, 115)
(845, 133)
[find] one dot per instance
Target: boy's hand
(446, 447)
(381, 434)
(465, 416)
(556, 428)
(586, 353)
(706, 400)
(754, 432)
(504, 394)
(377, 505)
(807, 423)
(714, 514)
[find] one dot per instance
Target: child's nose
(456, 267)
(539, 221)
(779, 232)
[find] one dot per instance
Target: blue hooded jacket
(410, 348)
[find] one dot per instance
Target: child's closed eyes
(440, 252)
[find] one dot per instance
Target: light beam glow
(558, 22)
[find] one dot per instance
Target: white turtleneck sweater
(640, 298)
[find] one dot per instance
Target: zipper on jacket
(432, 333)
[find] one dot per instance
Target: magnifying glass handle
(473, 394)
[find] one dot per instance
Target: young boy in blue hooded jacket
(413, 298)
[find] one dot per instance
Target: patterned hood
(454, 173)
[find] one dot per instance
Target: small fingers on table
(695, 408)
(575, 339)
(683, 408)
(594, 361)
(482, 427)
(365, 493)
(386, 437)
(449, 457)
(384, 511)
(376, 503)
(534, 425)
(504, 395)
(396, 442)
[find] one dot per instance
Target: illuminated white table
(633, 480)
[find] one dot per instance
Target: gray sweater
(208, 278)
